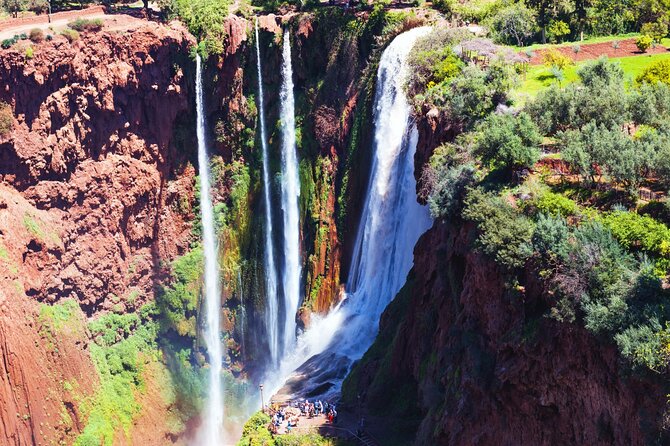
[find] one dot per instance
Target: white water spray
(391, 223)
(272, 312)
(290, 191)
(211, 430)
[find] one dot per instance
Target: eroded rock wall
(96, 197)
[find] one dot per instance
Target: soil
(595, 50)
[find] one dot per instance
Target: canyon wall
(96, 198)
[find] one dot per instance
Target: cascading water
(391, 223)
(272, 313)
(211, 431)
(290, 191)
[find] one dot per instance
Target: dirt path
(57, 25)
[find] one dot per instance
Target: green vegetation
(83, 25)
(256, 433)
(6, 118)
(658, 71)
(36, 35)
(606, 263)
(123, 346)
(204, 18)
(70, 34)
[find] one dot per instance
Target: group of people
(312, 410)
(282, 415)
(285, 418)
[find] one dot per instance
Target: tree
(557, 30)
(513, 24)
(508, 141)
(656, 30)
(14, 6)
(541, 6)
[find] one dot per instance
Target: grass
(56, 318)
(539, 77)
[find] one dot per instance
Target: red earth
(590, 51)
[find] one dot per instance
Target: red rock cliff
(470, 360)
(95, 196)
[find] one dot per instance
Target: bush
(445, 6)
(656, 30)
(644, 43)
(658, 71)
(504, 234)
(36, 35)
(448, 189)
(83, 25)
(639, 232)
(30, 52)
(6, 119)
(556, 59)
(7, 43)
(508, 141)
(551, 238)
(555, 205)
(70, 34)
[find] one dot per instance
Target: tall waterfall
(211, 433)
(272, 313)
(391, 223)
(290, 191)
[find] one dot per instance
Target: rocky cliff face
(465, 358)
(96, 196)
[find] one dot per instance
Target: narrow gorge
(206, 226)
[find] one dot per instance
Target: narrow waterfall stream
(272, 313)
(211, 429)
(290, 191)
(391, 223)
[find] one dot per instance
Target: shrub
(83, 25)
(551, 236)
(7, 43)
(6, 119)
(554, 58)
(644, 43)
(504, 234)
(656, 30)
(576, 49)
(445, 6)
(639, 232)
(448, 189)
(658, 71)
(36, 35)
(433, 61)
(70, 34)
(30, 52)
(23, 36)
(555, 205)
(508, 141)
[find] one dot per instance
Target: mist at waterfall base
(211, 430)
(391, 223)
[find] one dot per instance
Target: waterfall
(211, 433)
(272, 313)
(391, 223)
(290, 191)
